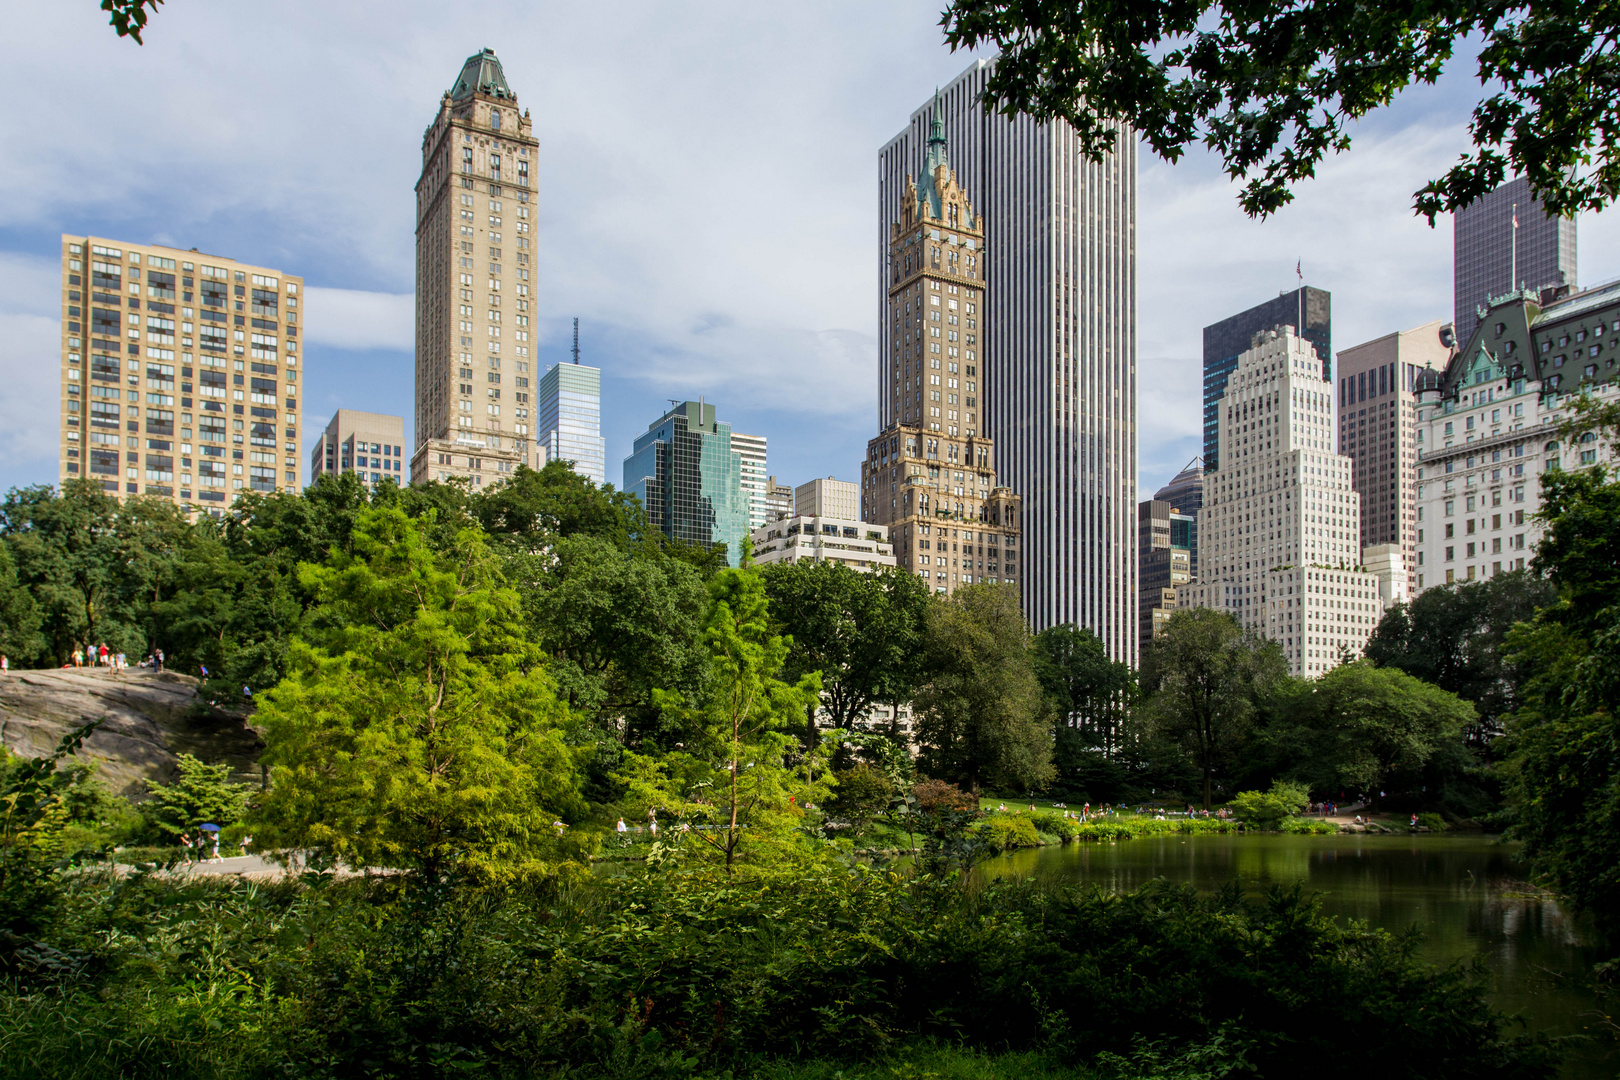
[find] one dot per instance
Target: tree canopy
(980, 717)
(1271, 89)
(418, 727)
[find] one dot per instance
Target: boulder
(151, 718)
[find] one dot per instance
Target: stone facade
(1487, 428)
(1279, 533)
(930, 476)
(474, 298)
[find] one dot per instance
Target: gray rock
(151, 718)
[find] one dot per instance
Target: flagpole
(1513, 285)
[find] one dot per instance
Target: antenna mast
(576, 339)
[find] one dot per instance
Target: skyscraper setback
(180, 373)
(473, 284)
(1059, 343)
(1307, 309)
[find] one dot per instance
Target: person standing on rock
(5, 664)
(159, 655)
(102, 662)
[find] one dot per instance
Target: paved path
(238, 864)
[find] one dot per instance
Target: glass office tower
(569, 419)
(690, 479)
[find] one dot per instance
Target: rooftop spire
(481, 74)
(928, 189)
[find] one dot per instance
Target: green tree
(728, 778)
(618, 623)
(1205, 679)
(20, 639)
(1369, 727)
(1090, 697)
(862, 631)
(1563, 742)
(1454, 637)
(1267, 809)
(201, 794)
(980, 717)
(67, 550)
(538, 506)
(417, 728)
(1273, 88)
(861, 794)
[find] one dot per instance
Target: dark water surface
(1466, 894)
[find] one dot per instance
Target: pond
(1465, 892)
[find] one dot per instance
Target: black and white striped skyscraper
(1060, 348)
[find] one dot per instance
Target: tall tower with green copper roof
(474, 283)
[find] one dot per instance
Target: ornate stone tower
(930, 475)
(474, 298)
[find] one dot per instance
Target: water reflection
(1465, 893)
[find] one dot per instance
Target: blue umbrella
(209, 828)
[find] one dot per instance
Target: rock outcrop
(151, 718)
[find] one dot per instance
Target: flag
(1298, 272)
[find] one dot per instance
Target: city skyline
(300, 213)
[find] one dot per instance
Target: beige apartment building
(180, 373)
(1377, 398)
(370, 445)
(474, 262)
(930, 476)
(828, 498)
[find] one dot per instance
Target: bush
(1003, 832)
(1055, 825)
(1266, 810)
(862, 793)
(681, 974)
(1307, 826)
(1432, 821)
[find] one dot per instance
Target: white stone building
(1488, 428)
(857, 544)
(1280, 529)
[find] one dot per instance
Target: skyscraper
(1185, 494)
(1164, 564)
(1059, 342)
(1280, 528)
(930, 473)
(1491, 257)
(568, 419)
(473, 298)
(689, 478)
(756, 482)
(180, 373)
(1377, 388)
(1308, 310)
(370, 445)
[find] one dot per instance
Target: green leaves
(980, 717)
(1273, 89)
(201, 794)
(728, 778)
(418, 728)
(863, 632)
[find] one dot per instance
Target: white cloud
(354, 319)
(707, 198)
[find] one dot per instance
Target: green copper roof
(927, 193)
(481, 74)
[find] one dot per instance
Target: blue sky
(707, 187)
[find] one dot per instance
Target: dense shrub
(1003, 832)
(1267, 809)
(691, 974)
